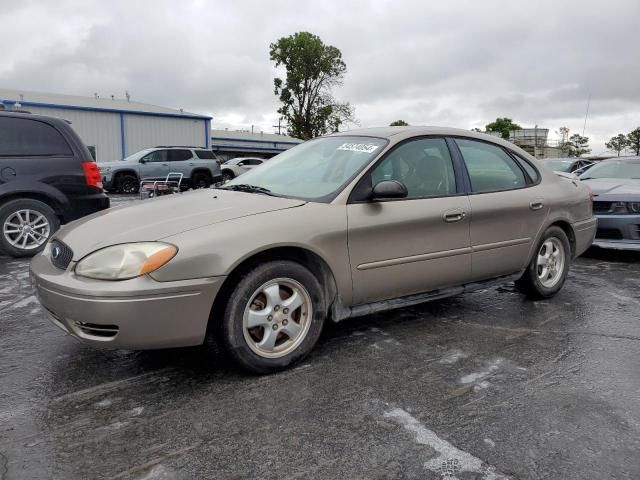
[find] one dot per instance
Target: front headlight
(124, 261)
(633, 207)
(104, 169)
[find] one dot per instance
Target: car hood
(614, 188)
(154, 219)
(116, 164)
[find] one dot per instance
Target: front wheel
(201, 180)
(549, 266)
(274, 317)
(127, 183)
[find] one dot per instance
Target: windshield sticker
(359, 147)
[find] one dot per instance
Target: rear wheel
(127, 183)
(549, 266)
(26, 226)
(274, 317)
(201, 180)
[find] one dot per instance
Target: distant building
(230, 144)
(114, 128)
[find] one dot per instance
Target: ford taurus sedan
(337, 227)
(616, 186)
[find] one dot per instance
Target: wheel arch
(311, 260)
(565, 225)
(126, 171)
(56, 204)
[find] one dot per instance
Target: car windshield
(614, 169)
(559, 165)
(233, 161)
(314, 170)
(136, 156)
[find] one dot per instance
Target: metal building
(114, 128)
(230, 144)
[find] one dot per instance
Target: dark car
(616, 188)
(47, 177)
(568, 165)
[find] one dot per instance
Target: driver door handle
(454, 215)
(536, 205)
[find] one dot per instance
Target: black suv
(47, 177)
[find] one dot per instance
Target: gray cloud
(458, 63)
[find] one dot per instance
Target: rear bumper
(585, 233)
(81, 206)
(135, 314)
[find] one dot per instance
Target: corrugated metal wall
(143, 131)
(102, 130)
(99, 129)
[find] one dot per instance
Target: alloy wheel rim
(129, 186)
(277, 318)
(26, 229)
(550, 262)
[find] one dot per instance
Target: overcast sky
(453, 63)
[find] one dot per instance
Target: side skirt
(339, 312)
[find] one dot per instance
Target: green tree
(578, 145)
(633, 141)
(312, 70)
(617, 143)
(399, 123)
(503, 125)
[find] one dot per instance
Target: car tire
(227, 176)
(40, 219)
(275, 336)
(549, 267)
(127, 183)
(201, 180)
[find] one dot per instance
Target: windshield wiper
(245, 187)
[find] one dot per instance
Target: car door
(507, 208)
(415, 244)
(180, 161)
(154, 165)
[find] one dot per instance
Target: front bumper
(620, 232)
(135, 314)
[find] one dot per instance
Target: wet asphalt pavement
(484, 385)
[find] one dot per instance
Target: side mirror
(387, 189)
(241, 164)
(142, 160)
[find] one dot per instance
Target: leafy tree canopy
(503, 125)
(312, 70)
(399, 123)
(617, 143)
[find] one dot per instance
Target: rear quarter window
(205, 154)
(22, 137)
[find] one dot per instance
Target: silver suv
(199, 166)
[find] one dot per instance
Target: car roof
(624, 159)
(397, 134)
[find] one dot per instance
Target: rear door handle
(454, 216)
(536, 205)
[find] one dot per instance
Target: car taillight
(218, 162)
(92, 174)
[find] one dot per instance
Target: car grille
(61, 254)
(601, 207)
(609, 234)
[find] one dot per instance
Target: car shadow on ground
(612, 255)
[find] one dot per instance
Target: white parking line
(450, 460)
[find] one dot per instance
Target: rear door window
(205, 154)
(490, 168)
(26, 137)
(179, 155)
